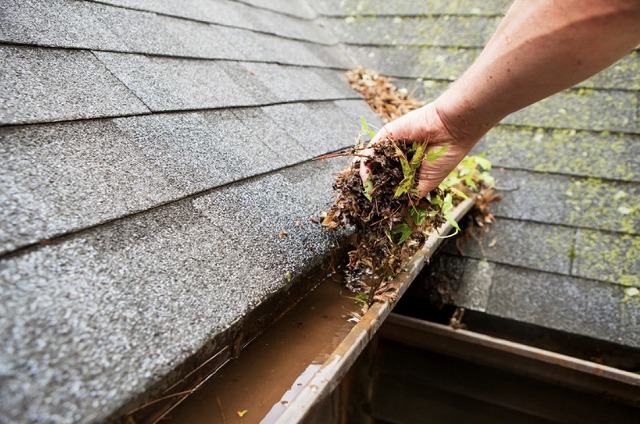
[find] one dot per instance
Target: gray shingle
(558, 199)
(337, 56)
(443, 31)
(410, 7)
(322, 127)
(565, 303)
(232, 13)
(64, 177)
(287, 26)
(176, 84)
(311, 126)
(597, 110)
(89, 25)
(335, 81)
(267, 132)
(71, 312)
(199, 151)
(253, 46)
(61, 23)
(299, 8)
(250, 83)
(356, 109)
(521, 243)
(569, 152)
(336, 131)
(569, 304)
(293, 83)
(40, 85)
(96, 26)
(257, 212)
(608, 257)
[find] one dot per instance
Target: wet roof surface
(152, 155)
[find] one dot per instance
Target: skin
(540, 47)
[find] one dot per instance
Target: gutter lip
(329, 374)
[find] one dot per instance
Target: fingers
(382, 134)
(365, 169)
(424, 187)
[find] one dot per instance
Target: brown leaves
(382, 96)
(386, 232)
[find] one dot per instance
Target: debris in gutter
(391, 223)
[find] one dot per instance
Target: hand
(425, 125)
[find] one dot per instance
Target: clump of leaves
(388, 101)
(391, 222)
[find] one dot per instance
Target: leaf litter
(390, 222)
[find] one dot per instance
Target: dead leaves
(388, 101)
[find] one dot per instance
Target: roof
(153, 153)
(151, 157)
(564, 250)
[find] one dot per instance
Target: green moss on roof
(415, 7)
(592, 202)
(443, 63)
(471, 31)
(608, 257)
(624, 74)
(595, 110)
(565, 151)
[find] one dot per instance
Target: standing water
(255, 386)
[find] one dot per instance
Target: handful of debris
(390, 221)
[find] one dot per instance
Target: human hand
(425, 125)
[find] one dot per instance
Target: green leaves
(469, 173)
(420, 215)
(433, 155)
(446, 205)
(403, 230)
(368, 188)
(365, 130)
(409, 168)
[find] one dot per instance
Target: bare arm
(540, 48)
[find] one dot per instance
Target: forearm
(540, 48)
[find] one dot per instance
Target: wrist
(461, 121)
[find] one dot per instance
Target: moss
(563, 151)
(572, 252)
(584, 91)
(608, 257)
(595, 203)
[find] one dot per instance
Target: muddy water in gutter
(270, 368)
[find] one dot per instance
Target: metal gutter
(616, 384)
(321, 379)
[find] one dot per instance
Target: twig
(146, 405)
(224, 420)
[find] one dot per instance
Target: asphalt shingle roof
(565, 248)
(151, 155)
